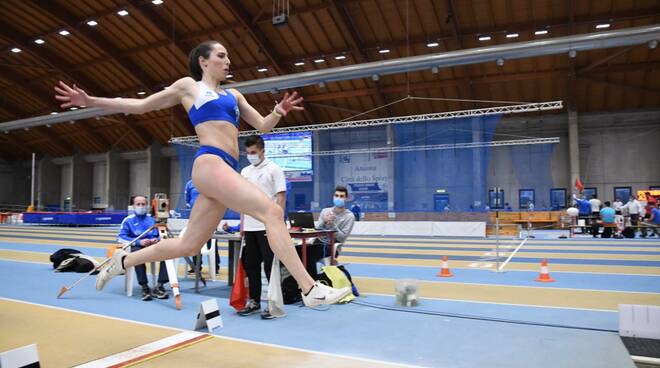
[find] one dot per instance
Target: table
(234, 241)
(304, 235)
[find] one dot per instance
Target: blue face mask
(140, 211)
(338, 202)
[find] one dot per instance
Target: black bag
(61, 255)
(628, 232)
(78, 263)
(290, 292)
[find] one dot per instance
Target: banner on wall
(641, 194)
(367, 178)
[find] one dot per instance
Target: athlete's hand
(289, 102)
(71, 96)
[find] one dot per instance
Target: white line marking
(218, 336)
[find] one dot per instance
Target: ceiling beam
(264, 44)
(50, 58)
(42, 95)
(619, 85)
(453, 18)
(472, 33)
(606, 59)
(358, 47)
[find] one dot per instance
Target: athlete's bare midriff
(219, 134)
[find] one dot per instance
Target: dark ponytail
(203, 50)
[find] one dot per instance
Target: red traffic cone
(544, 276)
(444, 271)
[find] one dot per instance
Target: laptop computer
(303, 220)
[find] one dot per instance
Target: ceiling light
(39, 41)
(64, 32)
(54, 113)
(375, 77)
(434, 70)
(262, 69)
(319, 61)
(123, 12)
(602, 26)
(340, 57)
(16, 50)
(572, 54)
(73, 108)
(157, 2)
(72, 122)
(92, 23)
(321, 84)
(299, 63)
(383, 51)
(541, 32)
(26, 129)
(142, 93)
(653, 44)
(432, 44)
(499, 62)
(512, 35)
(484, 38)
(229, 76)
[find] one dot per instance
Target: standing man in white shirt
(269, 177)
(633, 207)
(595, 206)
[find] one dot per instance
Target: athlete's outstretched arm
(265, 124)
(170, 96)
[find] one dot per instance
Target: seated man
(608, 221)
(336, 218)
(654, 220)
(131, 227)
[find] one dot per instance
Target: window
(557, 198)
(589, 192)
(496, 198)
(525, 197)
(622, 193)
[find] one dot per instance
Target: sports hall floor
(476, 318)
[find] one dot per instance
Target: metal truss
(433, 147)
(509, 109)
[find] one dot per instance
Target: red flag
(579, 185)
(239, 292)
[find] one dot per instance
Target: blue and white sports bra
(210, 105)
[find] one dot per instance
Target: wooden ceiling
(147, 49)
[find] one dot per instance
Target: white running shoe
(323, 294)
(110, 270)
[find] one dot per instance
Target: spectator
(595, 206)
(331, 218)
(608, 218)
(617, 205)
(654, 219)
(633, 207)
(651, 203)
(132, 226)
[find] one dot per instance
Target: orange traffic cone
(544, 276)
(444, 271)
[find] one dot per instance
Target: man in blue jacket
(131, 227)
(585, 209)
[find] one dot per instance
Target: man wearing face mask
(269, 178)
(336, 218)
(132, 226)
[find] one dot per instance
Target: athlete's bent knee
(274, 213)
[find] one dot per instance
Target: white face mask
(140, 211)
(254, 159)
